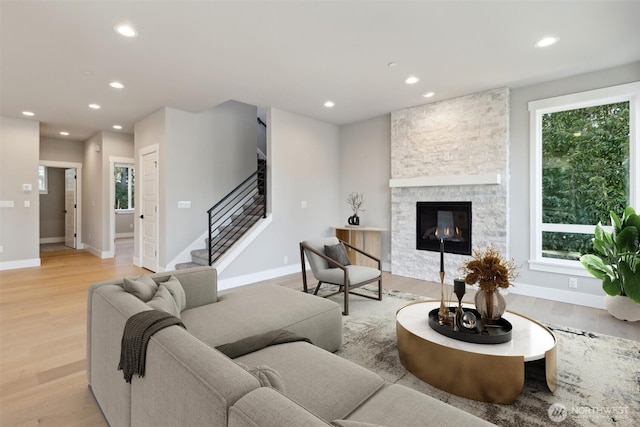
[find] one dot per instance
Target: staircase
(231, 218)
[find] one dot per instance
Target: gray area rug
(598, 375)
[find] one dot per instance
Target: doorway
(122, 196)
(59, 185)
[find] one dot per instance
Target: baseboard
(44, 240)
(587, 300)
(21, 263)
(123, 235)
(248, 279)
(97, 252)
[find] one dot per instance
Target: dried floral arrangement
(356, 200)
(489, 269)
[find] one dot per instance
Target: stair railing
(238, 210)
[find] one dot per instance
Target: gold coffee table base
(482, 377)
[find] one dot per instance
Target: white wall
(61, 150)
(303, 166)
(92, 196)
(365, 167)
(520, 184)
(202, 157)
(19, 226)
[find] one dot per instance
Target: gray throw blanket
(258, 342)
(135, 338)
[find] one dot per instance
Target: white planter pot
(622, 307)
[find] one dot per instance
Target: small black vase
(354, 220)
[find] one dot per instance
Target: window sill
(559, 267)
(124, 211)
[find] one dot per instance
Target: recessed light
(64, 133)
(547, 41)
(428, 94)
(94, 106)
(87, 73)
(126, 30)
(116, 85)
(117, 127)
(412, 80)
(329, 104)
(28, 113)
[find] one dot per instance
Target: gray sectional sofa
(188, 382)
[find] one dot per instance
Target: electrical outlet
(1, 249)
(573, 282)
(286, 259)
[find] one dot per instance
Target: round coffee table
(485, 372)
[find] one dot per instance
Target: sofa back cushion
(200, 284)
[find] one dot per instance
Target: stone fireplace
(451, 151)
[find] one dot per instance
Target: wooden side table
(485, 372)
(367, 239)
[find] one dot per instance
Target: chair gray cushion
(337, 253)
(357, 274)
(319, 264)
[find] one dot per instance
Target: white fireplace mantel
(448, 180)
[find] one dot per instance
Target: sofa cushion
(265, 407)
(144, 287)
(164, 301)
(199, 283)
(327, 385)
(337, 253)
(253, 310)
(357, 274)
(400, 406)
(267, 376)
(177, 292)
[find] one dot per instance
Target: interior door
(149, 211)
(70, 207)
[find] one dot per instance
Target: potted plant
(491, 272)
(355, 200)
(616, 262)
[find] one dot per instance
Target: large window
(125, 180)
(584, 164)
(43, 182)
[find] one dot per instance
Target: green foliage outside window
(585, 172)
(125, 179)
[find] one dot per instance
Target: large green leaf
(596, 266)
(630, 281)
(627, 240)
(615, 221)
(612, 288)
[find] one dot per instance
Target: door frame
(78, 168)
(138, 236)
(112, 200)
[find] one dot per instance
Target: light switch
(27, 203)
(184, 205)
(303, 204)
(6, 203)
(26, 187)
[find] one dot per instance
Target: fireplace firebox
(448, 221)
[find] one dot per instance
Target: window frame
(45, 181)
(622, 93)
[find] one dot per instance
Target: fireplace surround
(447, 221)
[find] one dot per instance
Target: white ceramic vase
(622, 307)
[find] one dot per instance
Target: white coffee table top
(528, 338)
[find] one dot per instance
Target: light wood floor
(43, 332)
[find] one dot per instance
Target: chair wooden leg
(346, 300)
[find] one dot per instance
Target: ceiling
(57, 57)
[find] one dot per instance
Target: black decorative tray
(495, 332)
